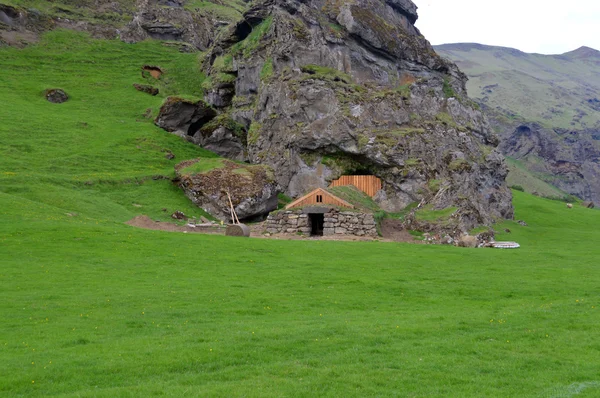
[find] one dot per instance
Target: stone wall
(336, 223)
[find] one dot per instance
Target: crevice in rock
(198, 124)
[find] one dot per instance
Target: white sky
(541, 26)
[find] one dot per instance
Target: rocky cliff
(324, 88)
(545, 109)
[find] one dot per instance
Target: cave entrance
(242, 30)
(198, 124)
(317, 221)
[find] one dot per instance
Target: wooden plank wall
(327, 200)
(368, 184)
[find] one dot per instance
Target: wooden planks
(319, 197)
(368, 184)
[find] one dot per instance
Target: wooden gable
(319, 197)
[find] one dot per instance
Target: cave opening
(242, 30)
(199, 123)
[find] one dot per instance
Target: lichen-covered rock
(169, 20)
(327, 88)
(56, 95)
(253, 189)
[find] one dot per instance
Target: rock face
(570, 160)
(253, 189)
(169, 20)
(324, 88)
(183, 117)
(199, 123)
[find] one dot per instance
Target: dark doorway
(198, 124)
(316, 224)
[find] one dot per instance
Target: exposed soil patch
(18, 39)
(145, 88)
(153, 71)
(148, 223)
(392, 230)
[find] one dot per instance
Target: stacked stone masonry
(336, 223)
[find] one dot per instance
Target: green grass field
(91, 307)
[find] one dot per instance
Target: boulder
(224, 137)
(184, 117)
(467, 241)
(253, 189)
(179, 215)
(169, 20)
(588, 204)
(56, 95)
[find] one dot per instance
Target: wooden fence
(368, 184)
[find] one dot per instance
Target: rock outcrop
(169, 20)
(568, 159)
(324, 88)
(19, 27)
(184, 117)
(253, 189)
(199, 123)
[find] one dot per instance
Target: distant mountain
(546, 110)
(553, 90)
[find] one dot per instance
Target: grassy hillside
(93, 307)
(103, 12)
(554, 90)
(520, 175)
(99, 153)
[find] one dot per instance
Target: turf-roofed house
(345, 208)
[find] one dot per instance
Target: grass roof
(355, 196)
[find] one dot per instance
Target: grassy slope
(95, 154)
(81, 10)
(92, 307)
(518, 174)
(530, 85)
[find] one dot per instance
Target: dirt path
(392, 230)
(148, 223)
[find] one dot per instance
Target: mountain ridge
(582, 51)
